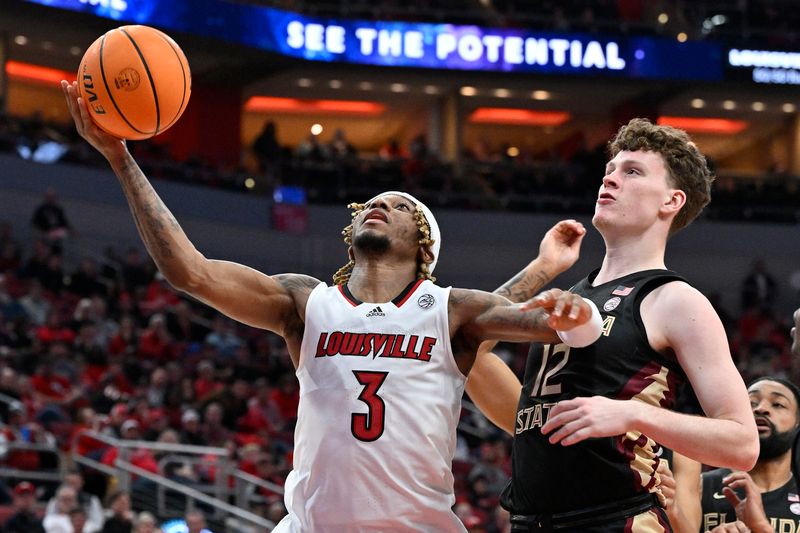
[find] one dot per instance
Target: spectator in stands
(155, 343)
(157, 387)
(206, 384)
(796, 334)
(51, 390)
(21, 431)
(267, 149)
(223, 338)
(10, 308)
(120, 518)
(184, 325)
(287, 397)
(159, 297)
(50, 220)
(146, 523)
(10, 386)
(10, 248)
(191, 432)
(135, 272)
(392, 151)
(126, 340)
(36, 264)
(89, 503)
(214, 432)
(758, 287)
(140, 457)
(341, 148)
(311, 150)
(85, 281)
(77, 518)
(110, 265)
(56, 518)
(87, 446)
(36, 305)
(24, 519)
(492, 465)
(196, 522)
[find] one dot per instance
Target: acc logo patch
(611, 303)
(128, 79)
(426, 301)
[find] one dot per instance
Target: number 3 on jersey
(551, 364)
(368, 427)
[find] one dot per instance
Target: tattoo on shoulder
(523, 286)
(478, 300)
(297, 282)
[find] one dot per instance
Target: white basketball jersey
(380, 397)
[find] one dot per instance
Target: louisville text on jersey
(375, 345)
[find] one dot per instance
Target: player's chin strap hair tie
(435, 235)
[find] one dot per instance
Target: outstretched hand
(564, 310)
(750, 509)
(561, 245)
(106, 144)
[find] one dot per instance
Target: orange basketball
(136, 82)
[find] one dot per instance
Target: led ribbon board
(406, 44)
(773, 67)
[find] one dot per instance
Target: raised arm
(558, 251)
(240, 292)
(492, 386)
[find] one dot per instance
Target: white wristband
(585, 334)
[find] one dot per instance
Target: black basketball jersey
(549, 478)
(782, 505)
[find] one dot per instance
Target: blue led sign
(404, 44)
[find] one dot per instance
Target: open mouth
(376, 214)
(763, 425)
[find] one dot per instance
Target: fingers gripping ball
(136, 82)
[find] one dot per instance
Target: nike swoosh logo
(718, 496)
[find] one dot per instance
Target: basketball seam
(108, 90)
(149, 77)
(183, 73)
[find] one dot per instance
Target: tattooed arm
(477, 316)
(558, 251)
(274, 303)
(492, 385)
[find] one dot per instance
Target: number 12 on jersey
(554, 357)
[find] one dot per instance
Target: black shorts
(639, 515)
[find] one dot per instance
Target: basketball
(136, 82)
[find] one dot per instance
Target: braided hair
(343, 274)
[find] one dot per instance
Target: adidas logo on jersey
(376, 312)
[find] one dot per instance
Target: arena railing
(127, 475)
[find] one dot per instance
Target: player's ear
(674, 202)
(426, 254)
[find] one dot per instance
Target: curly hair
(342, 275)
(687, 167)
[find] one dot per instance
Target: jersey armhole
(648, 287)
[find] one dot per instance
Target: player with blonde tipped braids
(381, 356)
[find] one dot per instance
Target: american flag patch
(622, 290)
